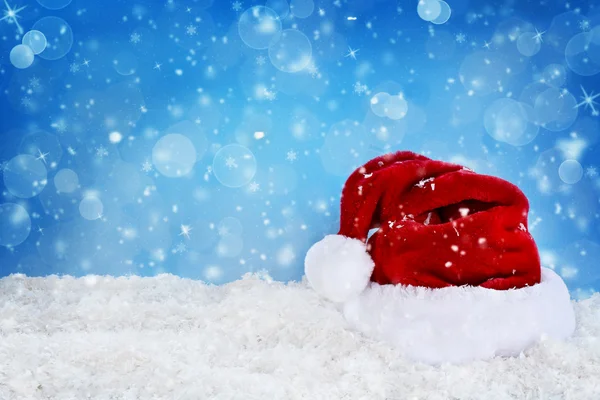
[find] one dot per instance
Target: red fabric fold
(440, 224)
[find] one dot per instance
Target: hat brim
(459, 324)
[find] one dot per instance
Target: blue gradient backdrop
(151, 137)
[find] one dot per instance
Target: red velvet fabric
(440, 224)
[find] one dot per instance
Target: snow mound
(458, 324)
(178, 339)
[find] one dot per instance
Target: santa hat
(440, 225)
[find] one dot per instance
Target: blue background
(146, 69)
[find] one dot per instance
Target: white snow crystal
(160, 337)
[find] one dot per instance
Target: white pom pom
(338, 267)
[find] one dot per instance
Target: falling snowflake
(26, 102)
(360, 88)
(101, 152)
(191, 30)
(180, 248)
(312, 70)
(135, 38)
(230, 162)
(254, 187)
(291, 156)
(584, 25)
(74, 68)
(147, 166)
(591, 172)
(60, 126)
(460, 38)
(236, 6)
(270, 95)
(3, 165)
(34, 82)
(261, 60)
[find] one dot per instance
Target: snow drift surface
(172, 338)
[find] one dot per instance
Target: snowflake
(34, 82)
(191, 30)
(270, 95)
(460, 38)
(584, 25)
(236, 6)
(147, 166)
(135, 38)
(591, 172)
(74, 68)
(101, 152)
(312, 70)
(26, 102)
(180, 248)
(254, 187)
(60, 126)
(261, 60)
(230, 162)
(291, 156)
(3, 165)
(359, 88)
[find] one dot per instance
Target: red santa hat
(440, 225)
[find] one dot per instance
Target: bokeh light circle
(392, 106)
(281, 7)
(21, 56)
(25, 176)
(397, 107)
(58, 34)
(292, 52)
(125, 63)
(444, 15)
(234, 165)
(555, 75)
(302, 8)
(54, 4)
(66, 181)
(482, 72)
(230, 226)
(36, 41)
(528, 44)
(15, 224)
(174, 155)
(570, 171)
(508, 121)
(44, 146)
(230, 246)
(594, 45)
(91, 208)
(429, 10)
(345, 147)
(379, 103)
(555, 109)
(259, 26)
(583, 53)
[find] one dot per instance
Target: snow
(458, 324)
(171, 338)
